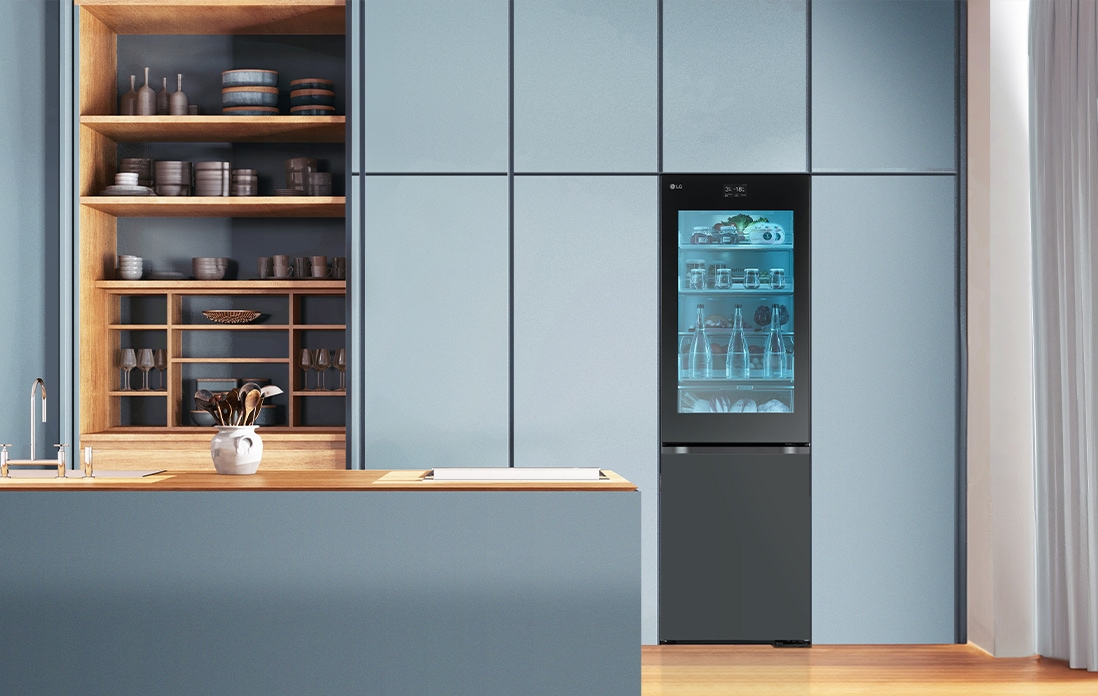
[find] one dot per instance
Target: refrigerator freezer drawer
(735, 548)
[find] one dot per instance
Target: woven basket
(231, 316)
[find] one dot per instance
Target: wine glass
(306, 362)
(340, 363)
(127, 361)
(145, 363)
(160, 361)
(322, 360)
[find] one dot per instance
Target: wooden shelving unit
(102, 300)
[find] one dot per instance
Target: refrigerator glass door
(735, 275)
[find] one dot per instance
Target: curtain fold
(1064, 180)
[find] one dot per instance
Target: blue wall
(879, 516)
(30, 185)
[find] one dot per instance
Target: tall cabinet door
(883, 85)
(585, 346)
(585, 86)
(435, 86)
(885, 420)
(735, 91)
(435, 321)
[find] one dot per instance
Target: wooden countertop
(306, 480)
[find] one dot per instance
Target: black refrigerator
(735, 361)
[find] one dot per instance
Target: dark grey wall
(30, 185)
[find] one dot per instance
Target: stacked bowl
(142, 166)
(249, 92)
(129, 267)
(245, 182)
(173, 178)
(312, 96)
(211, 178)
(209, 268)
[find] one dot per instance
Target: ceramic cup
(319, 266)
(301, 267)
(280, 266)
(264, 267)
(339, 267)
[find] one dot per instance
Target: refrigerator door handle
(744, 449)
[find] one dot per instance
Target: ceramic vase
(162, 100)
(146, 98)
(236, 449)
(127, 105)
(177, 101)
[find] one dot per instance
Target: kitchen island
(322, 582)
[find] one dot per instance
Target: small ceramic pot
(236, 449)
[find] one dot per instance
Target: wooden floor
(843, 670)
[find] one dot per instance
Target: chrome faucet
(34, 387)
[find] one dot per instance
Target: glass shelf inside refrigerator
(726, 400)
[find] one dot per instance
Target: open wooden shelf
(105, 410)
(223, 287)
(206, 129)
(219, 16)
(218, 206)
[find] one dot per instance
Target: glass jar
(702, 235)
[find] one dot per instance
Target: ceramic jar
(236, 449)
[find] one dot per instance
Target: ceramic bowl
(250, 110)
(249, 77)
(249, 96)
(312, 83)
(312, 110)
(203, 418)
(209, 268)
(323, 97)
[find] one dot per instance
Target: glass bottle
(701, 355)
(774, 361)
(738, 364)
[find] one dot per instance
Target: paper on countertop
(517, 473)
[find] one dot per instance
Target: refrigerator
(735, 493)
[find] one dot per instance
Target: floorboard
(850, 670)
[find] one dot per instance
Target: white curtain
(1064, 177)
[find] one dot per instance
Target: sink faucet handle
(60, 460)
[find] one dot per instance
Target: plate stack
(312, 96)
(249, 92)
(211, 178)
(173, 178)
(245, 182)
(125, 184)
(142, 166)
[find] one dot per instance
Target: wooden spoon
(252, 403)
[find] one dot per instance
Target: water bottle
(701, 355)
(738, 365)
(774, 361)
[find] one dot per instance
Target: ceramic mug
(301, 267)
(339, 267)
(264, 267)
(280, 266)
(319, 267)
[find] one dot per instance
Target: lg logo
(676, 187)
